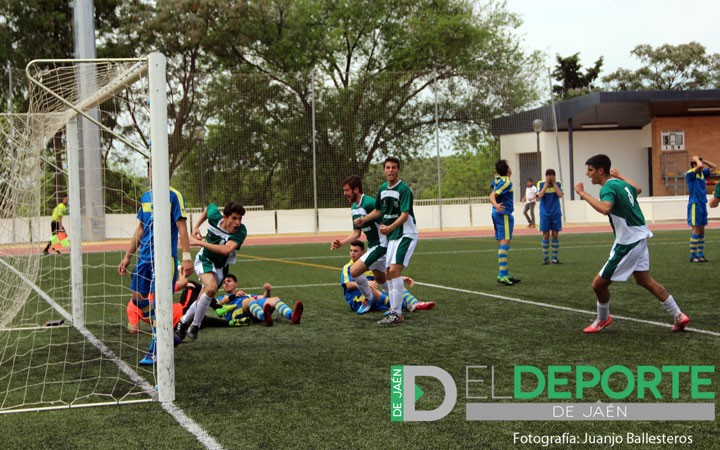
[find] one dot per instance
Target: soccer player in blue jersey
(225, 234)
(697, 216)
(629, 254)
(374, 259)
(550, 192)
(501, 198)
(356, 299)
(142, 283)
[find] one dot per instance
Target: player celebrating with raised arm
(374, 258)
(697, 216)
(550, 192)
(501, 198)
(394, 206)
(225, 234)
(629, 254)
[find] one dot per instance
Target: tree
(669, 67)
(574, 82)
(372, 65)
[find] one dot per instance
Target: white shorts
(376, 256)
(204, 266)
(401, 250)
(625, 260)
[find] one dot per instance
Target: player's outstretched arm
(615, 173)
(374, 215)
(337, 243)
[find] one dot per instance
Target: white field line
(561, 308)
(178, 414)
(516, 300)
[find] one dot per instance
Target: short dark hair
(231, 276)
(392, 159)
(530, 180)
(502, 167)
(550, 172)
(353, 181)
(599, 162)
(233, 207)
(357, 243)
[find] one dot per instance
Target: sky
(612, 28)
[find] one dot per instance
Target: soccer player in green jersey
(374, 258)
(629, 254)
(225, 234)
(394, 208)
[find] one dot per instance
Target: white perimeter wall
(337, 220)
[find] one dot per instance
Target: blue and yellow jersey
(503, 188)
(696, 182)
(352, 295)
(145, 216)
(550, 202)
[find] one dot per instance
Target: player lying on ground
(357, 301)
(237, 308)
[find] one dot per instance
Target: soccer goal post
(91, 128)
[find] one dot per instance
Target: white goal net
(90, 129)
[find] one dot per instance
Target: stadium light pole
(537, 125)
(200, 135)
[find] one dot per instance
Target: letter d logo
(411, 393)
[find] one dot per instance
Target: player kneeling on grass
(357, 301)
(629, 254)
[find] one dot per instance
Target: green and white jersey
(626, 217)
(217, 235)
(371, 229)
(393, 201)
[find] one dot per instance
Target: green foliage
(669, 67)
(574, 82)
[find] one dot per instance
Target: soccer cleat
(150, 356)
(681, 322)
(391, 319)
(192, 332)
(267, 314)
(505, 280)
(695, 260)
(514, 280)
(239, 322)
(702, 259)
(546, 262)
(556, 261)
(297, 313)
(424, 305)
(598, 325)
(181, 330)
(364, 307)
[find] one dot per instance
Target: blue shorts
(550, 222)
(697, 215)
(143, 277)
(355, 298)
(504, 224)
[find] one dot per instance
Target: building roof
(616, 110)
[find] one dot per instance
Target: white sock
(396, 294)
(364, 287)
(671, 307)
(202, 305)
(603, 311)
(189, 314)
